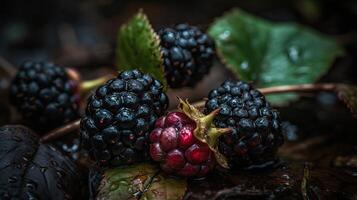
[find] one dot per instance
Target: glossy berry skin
(256, 126)
(120, 116)
(44, 95)
(188, 54)
(174, 145)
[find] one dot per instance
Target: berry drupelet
(119, 117)
(45, 95)
(188, 54)
(256, 127)
(185, 142)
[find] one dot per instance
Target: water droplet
(225, 35)
(31, 185)
(245, 65)
(17, 138)
(285, 176)
(12, 179)
(43, 169)
(25, 158)
(59, 186)
(75, 147)
(53, 163)
(294, 54)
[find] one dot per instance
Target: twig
(299, 88)
(276, 89)
(288, 88)
(64, 130)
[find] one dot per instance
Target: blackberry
(44, 95)
(188, 54)
(119, 117)
(256, 127)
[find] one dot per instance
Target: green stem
(89, 85)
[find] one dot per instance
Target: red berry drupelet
(188, 54)
(256, 127)
(185, 142)
(45, 95)
(119, 117)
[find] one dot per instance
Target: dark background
(82, 34)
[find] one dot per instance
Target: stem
(270, 90)
(61, 131)
(88, 85)
(329, 87)
(299, 88)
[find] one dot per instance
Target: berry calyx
(185, 142)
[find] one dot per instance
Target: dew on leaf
(245, 65)
(225, 36)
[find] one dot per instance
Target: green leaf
(271, 54)
(138, 47)
(142, 181)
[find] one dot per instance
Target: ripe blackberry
(185, 142)
(188, 54)
(44, 95)
(119, 117)
(256, 127)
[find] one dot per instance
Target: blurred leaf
(271, 54)
(348, 94)
(142, 181)
(139, 47)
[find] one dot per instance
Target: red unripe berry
(176, 147)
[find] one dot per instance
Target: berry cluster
(45, 95)
(188, 54)
(119, 117)
(124, 120)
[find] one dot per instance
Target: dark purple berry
(120, 115)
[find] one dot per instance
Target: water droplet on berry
(12, 179)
